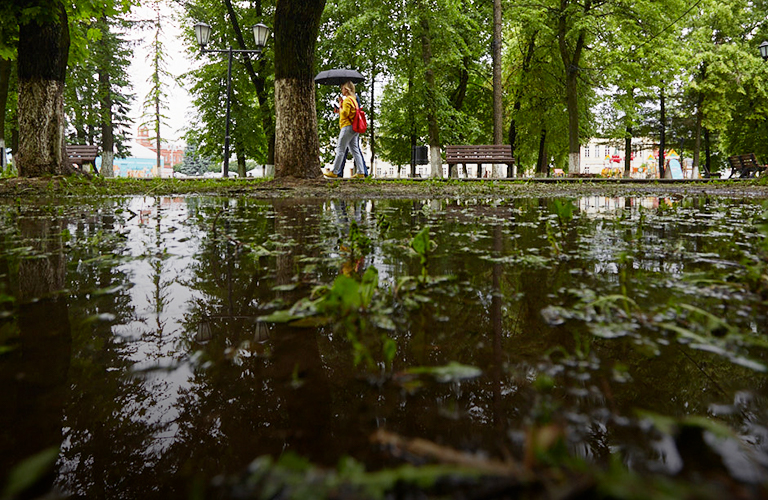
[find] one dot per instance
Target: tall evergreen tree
(155, 102)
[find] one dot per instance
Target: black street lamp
(764, 50)
(203, 34)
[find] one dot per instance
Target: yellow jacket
(347, 112)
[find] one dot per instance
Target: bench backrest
(486, 153)
(82, 151)
(741, 161)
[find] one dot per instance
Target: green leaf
(420, 242)
(30, 471)
(368, 286)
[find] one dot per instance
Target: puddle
(162, 342)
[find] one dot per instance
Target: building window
(586, 152)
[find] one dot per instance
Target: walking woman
(347, 136)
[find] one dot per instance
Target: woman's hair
(350, 87)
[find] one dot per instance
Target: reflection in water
(34, 375)
(154, 374)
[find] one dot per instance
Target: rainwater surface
(161, 343)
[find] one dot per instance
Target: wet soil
(381, 189)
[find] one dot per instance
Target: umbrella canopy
(338, 76)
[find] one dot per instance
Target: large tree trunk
(372, 121)
(5, 78)
(498, 119)
(542, 163)
(107, 132)
(105, 105)
(697, 142)
(433, 129)
(628, 152)
(518, 102)
(43, 52)
(571, 58)
(297, 149)
(663, 131)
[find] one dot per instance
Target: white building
(602, 156)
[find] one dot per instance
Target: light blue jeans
(345, 141)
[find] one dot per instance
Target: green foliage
(292, 476)
(26, 473)
(208, 83)
(97, 91)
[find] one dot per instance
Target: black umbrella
(338, 76)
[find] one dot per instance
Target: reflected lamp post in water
(203, 33)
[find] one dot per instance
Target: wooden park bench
(479, 155)
(80, 154)
(745, 165)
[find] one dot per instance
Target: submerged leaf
(451, 372)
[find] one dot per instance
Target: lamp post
(203, 34)
(764, 50)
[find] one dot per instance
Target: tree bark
(43, 51)
(372, 120)
(297, 23)
(697, 142)
(707, 156)
(628, 152)
(433, 129)
(105, 104)
(518, 103)
(663, 132)
(571, 60)
(498, 132)
(5, 78)
(541, 163)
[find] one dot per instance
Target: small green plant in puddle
(422, 245)
(563, 210)
(348, 305)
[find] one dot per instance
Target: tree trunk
(662, 131)
(571, 60)
(707, 156)
(498, 117)
(107, 132)
(5, 78)
(518, 103)
(628, 152)
(497, 111)
(411, 120)
(697, 140)
(240, 155)
(541, 162)
(105, 104)
(156, 78)
(433, 129)
(297, 150)
(43, 51)
(372, 121)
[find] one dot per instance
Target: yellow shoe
(359, 176)
(330, 175)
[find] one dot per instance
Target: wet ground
(164, 343)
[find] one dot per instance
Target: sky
(180, 102)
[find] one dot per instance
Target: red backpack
(359, 122)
